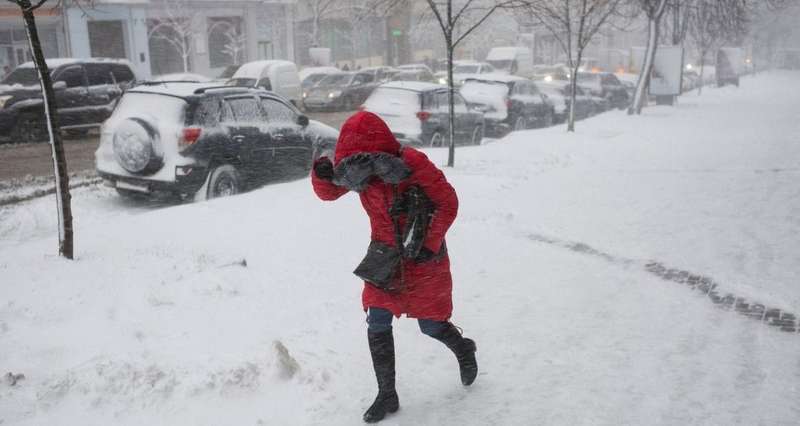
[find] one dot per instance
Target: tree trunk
(63, 198)
(185, 62)
(701, 83)
(451, 155)
(573, 91)
(644, 74)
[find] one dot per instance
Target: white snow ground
(157, 322)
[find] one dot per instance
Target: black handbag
(380, 266)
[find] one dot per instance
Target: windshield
(501, 64)
(242, 82)
(23, 76)
(336, 80)
(466, 69)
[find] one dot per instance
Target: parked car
(550, 73)
(205, 140)
(508, 102)
(343, 91)
(415, 75)
(86, 92)
(280, 77)
(183, 76)
(412, 67)
(558, 91)
(381, 74)
(514, 60)
(605, 85)
(310, 76)
(464, 69)
(417, 113)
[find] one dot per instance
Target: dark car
(86, 92)
(205, 140)
(340, 92)
(508, 103)
(417, 113)
(558, 91)
(605, 85)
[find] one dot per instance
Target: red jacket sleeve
(325, 189)
(433, 182)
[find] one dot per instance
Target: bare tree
(359, 13)
(63, 198)
(705, 31)
(177, 28)
(654, 11)
(235, 39)
(319, 10)
(457, 20)
(573, 24)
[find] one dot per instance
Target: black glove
(424, 255)
(323, 168)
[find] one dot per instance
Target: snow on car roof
(418, 86)
(307, 71)
(500, 78)
(255, 68)
(180, 89)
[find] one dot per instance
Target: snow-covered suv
(205, 140)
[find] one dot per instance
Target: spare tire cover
(134, 146)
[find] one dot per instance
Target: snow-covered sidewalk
(159, 322)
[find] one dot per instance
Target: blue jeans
(380, 320)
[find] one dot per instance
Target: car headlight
(548, 78)
(335, 94)
(4, 99)
(305, 94)
(442, 80)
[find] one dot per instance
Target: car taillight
(423, 115)
(189, 136)
(508, 103)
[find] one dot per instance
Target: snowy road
(157, 322)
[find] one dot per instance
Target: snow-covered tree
(235, 39)
(63, 198)
(573, 24)
(177, 27)
(654, 10)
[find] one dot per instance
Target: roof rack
(202, 90)
(160, 82)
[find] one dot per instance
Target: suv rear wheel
(224, 181)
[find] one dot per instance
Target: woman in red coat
(370, 161)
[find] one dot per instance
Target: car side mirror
(302, 120)
(59, 85)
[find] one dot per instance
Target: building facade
(157, 36)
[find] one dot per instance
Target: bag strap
(398, 233)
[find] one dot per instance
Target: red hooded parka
(428, 285)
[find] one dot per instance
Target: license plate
(132, 187)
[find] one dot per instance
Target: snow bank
(244, 311)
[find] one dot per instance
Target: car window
(460, 105)
(533, 89)
(72, 76)
(265, 83)
(121, 73)
(277, 112)
(208, 112)
(226, 114)
(245, 110)
(98, 74)
(430, 102)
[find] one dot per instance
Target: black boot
(381, 346)
(465, 352)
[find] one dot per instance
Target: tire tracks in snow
(777, 318)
